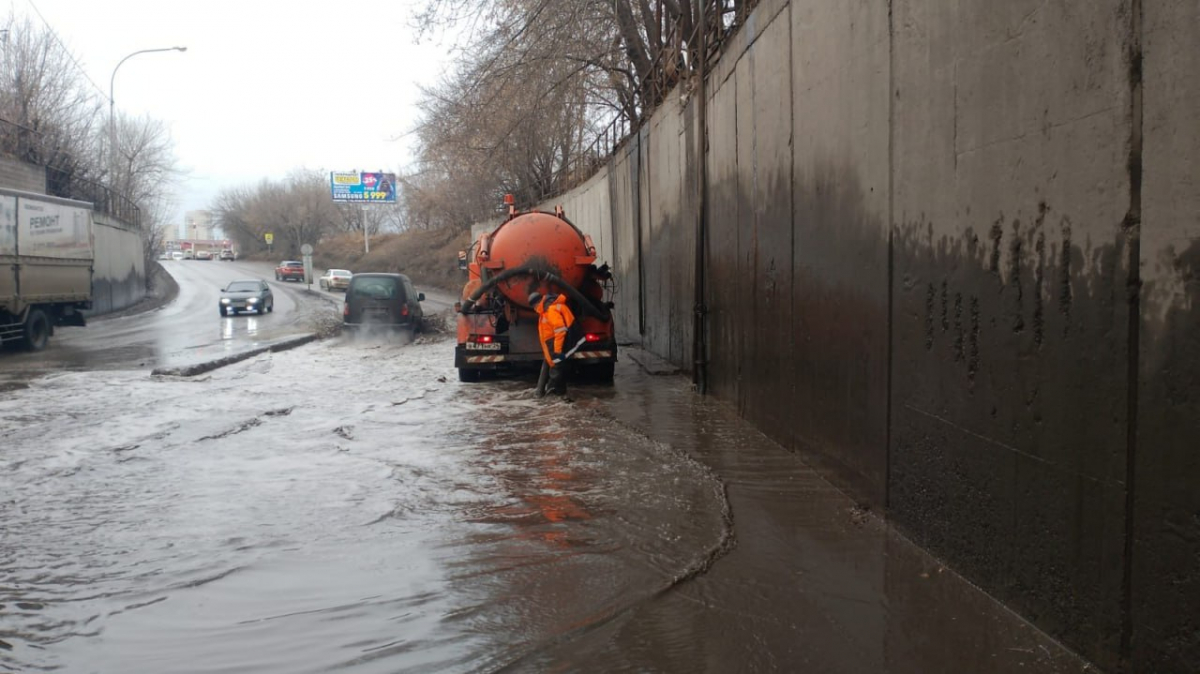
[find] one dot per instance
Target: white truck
(46, 264)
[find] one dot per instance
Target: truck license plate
(476, 346)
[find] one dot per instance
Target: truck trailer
(46, 265)
(532, 251)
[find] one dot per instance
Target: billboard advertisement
(355, 186)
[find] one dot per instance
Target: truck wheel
(37, 330)
(468, 375)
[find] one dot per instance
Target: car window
(244, 287)
(375, 288)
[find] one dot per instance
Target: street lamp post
(112, 125)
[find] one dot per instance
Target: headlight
(251, 300)
(224, 300)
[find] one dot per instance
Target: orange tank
(541, 241)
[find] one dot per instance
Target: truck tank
(534, 251)
(541, 242)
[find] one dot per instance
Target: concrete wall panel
(839, 81)
(18, 175)
(623, 211)
(119, 276)
(745, 310)
(722, 283)
(767, 194)
(1008, 444)
(1166, 555)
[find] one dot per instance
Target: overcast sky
(265, 85)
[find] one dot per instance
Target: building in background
(198, 225)
(170, 237)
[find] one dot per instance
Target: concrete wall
(953, 252)
(1010, 333)
(119, 279)
(1166, 463)
(18, 175)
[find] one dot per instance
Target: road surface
(350, 506)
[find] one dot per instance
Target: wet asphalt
(350, 506)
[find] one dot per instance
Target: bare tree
(51, 114)
(54, 117)
(297, 210)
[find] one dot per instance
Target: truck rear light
(483, 339)
(593, 337)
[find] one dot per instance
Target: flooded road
(350, 506)
(186, 331)
(341, 506)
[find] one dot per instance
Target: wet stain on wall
(1008, 445)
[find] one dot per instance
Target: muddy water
(345, 506)
(812, 582)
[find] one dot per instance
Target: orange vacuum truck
(529, 252)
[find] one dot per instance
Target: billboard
(355, 186)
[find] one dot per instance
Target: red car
(290, 270)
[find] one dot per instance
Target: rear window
(376, 287)
(293, 264)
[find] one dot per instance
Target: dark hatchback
(385, 300)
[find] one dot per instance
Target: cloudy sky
(265, 85)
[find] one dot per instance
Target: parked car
(228, 255)
(335, 279)
(290, 270)
(250, 295)
(177, 255)
(189, 254)
(165, 255)
(387, 300)
(204, 255)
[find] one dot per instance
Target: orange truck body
(534, 251)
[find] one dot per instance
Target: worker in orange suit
(555, 319)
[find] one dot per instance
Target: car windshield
(242, 287)
(376, 288)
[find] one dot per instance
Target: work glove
(556, 357)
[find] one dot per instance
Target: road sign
(306, 249)
(269, 238)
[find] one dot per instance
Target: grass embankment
(428, 257)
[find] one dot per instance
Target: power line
(66, 50)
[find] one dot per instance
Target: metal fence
(104, 199)
(724, 20)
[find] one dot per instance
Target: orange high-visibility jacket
(554, 318)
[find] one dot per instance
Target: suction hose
(601, 312)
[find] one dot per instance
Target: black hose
(590, 307)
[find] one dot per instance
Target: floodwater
(344, 506)
(350, 506)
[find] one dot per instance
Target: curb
(209, 366)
